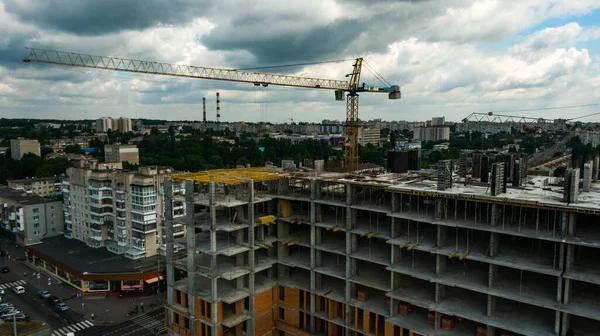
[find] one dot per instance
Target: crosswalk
(9, 285)
(151, 323)
(79, 326)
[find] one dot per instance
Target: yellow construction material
(337, 228)
(264, 245)
(405, 244)
(290, 242)
(230, 176)
(372, 234)
(463, 256)
(266, 220)
(452, 255)
(412, 247)
(286, 208)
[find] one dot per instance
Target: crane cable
(376, 74)
(294, 64)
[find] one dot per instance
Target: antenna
(204, 109)
(218, 109)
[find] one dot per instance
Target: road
(149, 324)
(30, 303)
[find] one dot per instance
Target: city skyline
(519, 56)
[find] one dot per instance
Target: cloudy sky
(450, 57)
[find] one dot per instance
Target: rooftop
(22, 197)
(231, 176)
(33, 179)
(77, 255)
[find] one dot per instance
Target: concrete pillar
(190, 223)
(251, 321)
(168, 192)
(491, 305)
(439, 205)
(595, 169)
(566, 323)
(491, 330)
(440, 292)
(313, 253)
(494, 243)
(442, 235)
(494, 216)
(349, 270)
(441, 264)
(492, 275)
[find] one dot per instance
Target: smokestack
(204, 109)
(218, 108)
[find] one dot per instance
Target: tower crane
(351, 87)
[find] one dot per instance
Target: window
(281, 293)
(36, 225)
(281, 313)
(52, 207)
(36, 210)
(36, 218)
(53, 229)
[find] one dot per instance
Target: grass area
(23, 328)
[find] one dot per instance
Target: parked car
(53, 299)
(19, 290)
(6, 309)
(5, 305)
(61, 306)
(19, 317)
(44, 294)
(2, 292)
(10, 313)
(5, 269)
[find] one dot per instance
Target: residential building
(121, 153)
(41, 186)
(117, 209)
(432, 133)
(438, 121)
(384, 254)
(30, 218)
(124, 125)
(20, 147)
(104, 124)
(369, 136)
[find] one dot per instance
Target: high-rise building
(20, 147)
(388, 254)
(438, 121)
(432, 133)
(30, 218)
(124, 125)
(121, 153)
(118, 209)
(104, 124)
(369, 136)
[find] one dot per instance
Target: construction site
(427, 252)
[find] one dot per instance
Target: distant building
(438, 121)
(107, 123)
(104, 124)
(432, 133)
(41, 186)
(20, 147)
(124, 125)
(121, 153)
(117, 209)
(369, 136)
(332, 128)
(30, 218)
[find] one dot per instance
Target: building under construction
(419, 253)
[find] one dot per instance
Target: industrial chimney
(218, 109)
(204, 110)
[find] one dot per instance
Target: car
(18, 317)
(2, 292)
(61, 306)
(10, 313)
(44, 294)
(6, 309)
(19, 290)
(5, 305)
(5, 269)
(53, 299)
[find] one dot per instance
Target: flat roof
(76, 255)
(22, 197)
(34, 179)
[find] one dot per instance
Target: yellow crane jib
(352, 87)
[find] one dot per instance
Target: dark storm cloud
(93, 17)
(319, 43)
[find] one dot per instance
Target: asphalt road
(29, 303)
(149, 324)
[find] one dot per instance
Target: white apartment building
(105, 123)
(119, 210)
(369, 136)
(432, 133)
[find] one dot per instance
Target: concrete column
(251, 321)
(213, 251)
(190, 224)
(439, 205)
(492, 275)
(440, 292)
(442, 234)
(491, 305)
(313, 259)
(349, 271)
(494, 244)
(491, 330)
(566, 323)
(441, 264)
(168, 193)
(572, 228)
(494, 215)
(437, 324)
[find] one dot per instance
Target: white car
(2, 292)
(19, 290)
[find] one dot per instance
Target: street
(149, 324)
(29, 303)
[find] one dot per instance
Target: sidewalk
(106, 309)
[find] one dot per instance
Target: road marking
(79, 326)
(13, 284)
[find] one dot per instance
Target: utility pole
(158, 275)
(15, 322)
(82, 304)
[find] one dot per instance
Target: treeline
(31, 165)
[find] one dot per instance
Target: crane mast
(352, 87)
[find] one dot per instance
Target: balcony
(144, 228)
(97, 237)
